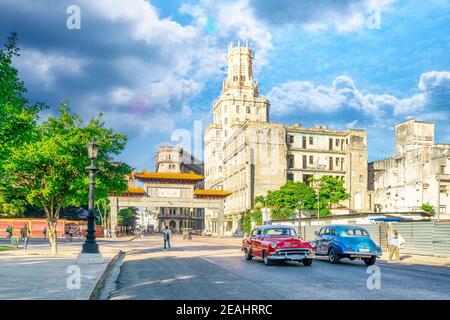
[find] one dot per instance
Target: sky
(154, 68)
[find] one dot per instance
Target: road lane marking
(210, 261)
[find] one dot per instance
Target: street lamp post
(90, 253)
(318, 205)
(300, 207)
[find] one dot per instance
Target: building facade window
(304, 162)
(304, 142)
(290, 139)
(290, 161)
(248, 109)
(290, 177)
(311, 160)
(311, 140)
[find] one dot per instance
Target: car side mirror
(316, 233)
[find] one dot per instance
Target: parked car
(346, 241)
(277, 243)
(207, 233)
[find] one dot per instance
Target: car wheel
(333, 257)
(267, 262)
(307, 262)
(248, 256)
(370, 261)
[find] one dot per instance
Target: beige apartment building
(248, 156)
(418, 173)
(320, 151)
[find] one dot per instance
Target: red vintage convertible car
(277, 243)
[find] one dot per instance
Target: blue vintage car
(345, 241)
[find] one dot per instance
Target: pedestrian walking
(9, 232)
(44, 232)
(25, 235)
(166, 234)
(395, 242)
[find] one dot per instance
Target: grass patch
(5, 248)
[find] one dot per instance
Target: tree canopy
(49, 170)
(17, 117)
(284, 201)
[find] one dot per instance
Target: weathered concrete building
(418, 174)
(320, 151)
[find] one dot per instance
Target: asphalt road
(211, 268)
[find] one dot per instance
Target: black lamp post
(300, 207)
(90, 245)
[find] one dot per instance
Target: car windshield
(276, 232)
(353, 232)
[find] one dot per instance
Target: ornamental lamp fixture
(92, 150)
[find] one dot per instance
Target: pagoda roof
(168, 176)
(134, 191)
(211, 193)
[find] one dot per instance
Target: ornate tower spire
(240, 70)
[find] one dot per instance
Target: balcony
(444, 177)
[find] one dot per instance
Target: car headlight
(273, 245)
(308, 252)
(312, 244)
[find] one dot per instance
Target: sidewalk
(408, 259)
(36, 274)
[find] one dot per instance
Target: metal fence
(421, 238)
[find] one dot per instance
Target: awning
(393, 219)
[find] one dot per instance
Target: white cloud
(232, 21)
(343, 94)
(342, 16)
(43, 69)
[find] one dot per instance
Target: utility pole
(444, 154)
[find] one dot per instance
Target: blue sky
(153, 68)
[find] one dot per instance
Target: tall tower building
(238, 102)
(241, 147)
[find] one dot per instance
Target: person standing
(395, 242)
(9, 232)
(166, 234)
(44, 232)
(25, 235)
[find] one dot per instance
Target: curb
(100, 283)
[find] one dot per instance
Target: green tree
(126, 217)
(50, 169)
(10, 204)
(252, 216)
(17, 117)
(332, 192)
(103, 211)
(427, 208)
(284, 201)
(17, 123)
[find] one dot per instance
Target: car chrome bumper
(291, 257)
(362, 254)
